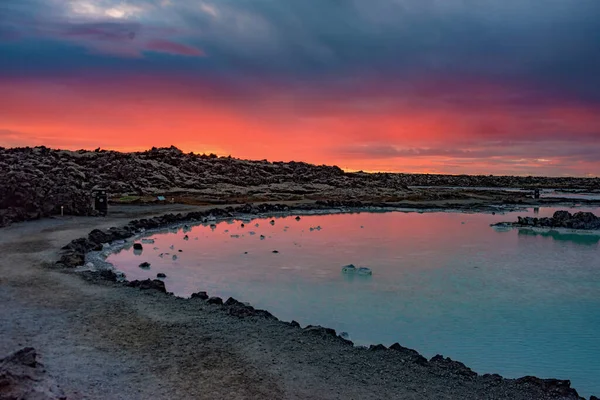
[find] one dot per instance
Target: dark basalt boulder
(145, 265)
(98, 236)
(215, 300)
(409, 353)
(161, 275)
(83, 245)
(138, 246)
(320, 331)
(554, 387)
(72, 259)
(149, 284)
(231, 301)
(200, 295)
(377, 347)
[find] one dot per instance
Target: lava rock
(138, 246)
(450, 365)
(145, 265)
(149, 284)
(200, 295)
(161, 275)
(555, 387)
(320, 331)
(231, 301)
(72, 259)
(409, 353)
(215, 300)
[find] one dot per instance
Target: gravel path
(102, 340)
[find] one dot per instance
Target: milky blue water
(514, 303)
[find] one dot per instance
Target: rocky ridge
(36, 182)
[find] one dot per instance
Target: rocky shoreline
(584, 221)
(74, 255)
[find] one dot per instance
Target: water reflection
(527, 305)
(582, 239)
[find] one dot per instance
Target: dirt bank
(102, 340)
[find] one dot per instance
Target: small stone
(138, 246)
(161, 275)
(145, 265)
(275, 252)
(298, 218)
(272, 222)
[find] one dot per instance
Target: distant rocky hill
(36, 182)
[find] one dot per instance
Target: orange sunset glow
(112, 80)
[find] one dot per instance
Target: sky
(429, 86)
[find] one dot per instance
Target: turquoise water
(514, 303)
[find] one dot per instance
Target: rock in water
(161, 275)
(138, 246)
(145, 265)
(349, 269)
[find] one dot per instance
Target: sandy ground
(107, 341)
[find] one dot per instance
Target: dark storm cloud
(509, 39)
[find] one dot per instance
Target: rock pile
(563, 219)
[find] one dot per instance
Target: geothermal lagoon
(515, 302)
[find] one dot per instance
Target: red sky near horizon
(233, 81)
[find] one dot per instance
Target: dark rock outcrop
(555, 387)
(200, 295)
(451, 366)
(149, 284)
(215, 300)
(22, 377)
(320, 331)
(410, 354)
(72, 259)
(560, 219)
